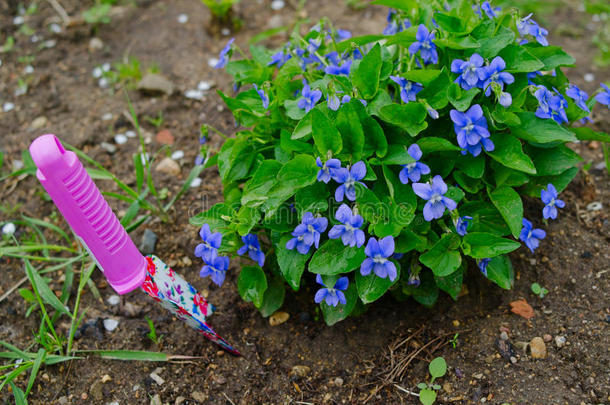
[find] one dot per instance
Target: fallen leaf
(522, 308)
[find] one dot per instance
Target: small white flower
(183, 18)
(103, 83)
(97, 72)
(9, 229)
(106, 67)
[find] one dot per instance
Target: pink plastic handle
(84, 208)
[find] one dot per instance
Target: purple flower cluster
(347, 177)
(215, 266)
(396, 23)
(424, 45)
(471, 130)
(474, 73)
(527, 26)
(551, 105)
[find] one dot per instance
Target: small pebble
(39, 122)
(55, 28)
(106, 67)
(34, 38)
(213, 62)
(199, 397)
(18, 20)
(110, 324)
(8, 106)
(18, 165)
(194, 94)
(114, 300)
(538, 348)
(106, 378)
(196, 182)
(96, 44)
(589, 77)
(183, 18)
(513, 359)
(148, 242)
(594, 206)
(560, 341)
(107, 117)
(97, 72)
(277, 5)
(130, 134)
(278, 318)
(225, 31)
(103, 83)
(300, 371)
(29, 69)
(547, 338)
(177, 155)
(9, 229)
(108, 147)
(168, 166)
(49, 43)
(504, 335)
(120, 139)
(156, 377)
(204, 86)
(338, 382)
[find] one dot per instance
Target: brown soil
(351, 362)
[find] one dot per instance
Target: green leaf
(252, 285)
(246, 218)
(551, 56)
(218, 217)
(410, 117)
(313, 198)
(500, 271)
(587, 134)
(491, 46)
(437, 367)
(291, 262)
(348, 124)
(508, 151)
(303, 128)
(560, 182)
(443, 258)
(273, 297)
(451, 284)
(436, 92)
(366, 77)
(466, 42)
(518, 59)
(235, 159)
(44, 290)
(422, 76)
(459, 98)
(539, 130)
(326, 137)
(371, 287)
(427, 396)
(472, 166)
(334, 258)
(427, 292)
(509, 203)
(298, 172)
(256, 189)
(450, 23)
(483, 245)
(332, 315)
(431, 144)
(292, 145)
(554, 161)
(374, 137)
(405, 5)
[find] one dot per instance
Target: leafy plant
(220, 9)
(390, 162)
(538, 290)
(427, 393)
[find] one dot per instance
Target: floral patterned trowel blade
(182, 299)
(93, 222)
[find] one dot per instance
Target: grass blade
(20, 397)
(35, 367)
(137, 355)
(44, 290)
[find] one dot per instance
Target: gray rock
(108, 147)
(148, 242)
(560, 341)
(39, 122)
(168, 166)
(154, 83)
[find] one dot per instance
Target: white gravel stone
(103, 83)
(196, 182)
(177, 155)
(277, 5)
(213, 62)
(97, 72)
(29, 69)
(130, 134)
(107, 117)
(204, 86)
(18, 20)
(225, 31)
(8, 106)
(55, 28)
(114, 300)
(589, 77)
(110, 324)
(49, 43)
(194, 94)
(183, 18)
(120, 139)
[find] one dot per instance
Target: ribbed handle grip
(87, 212)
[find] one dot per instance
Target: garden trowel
(93, 222)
